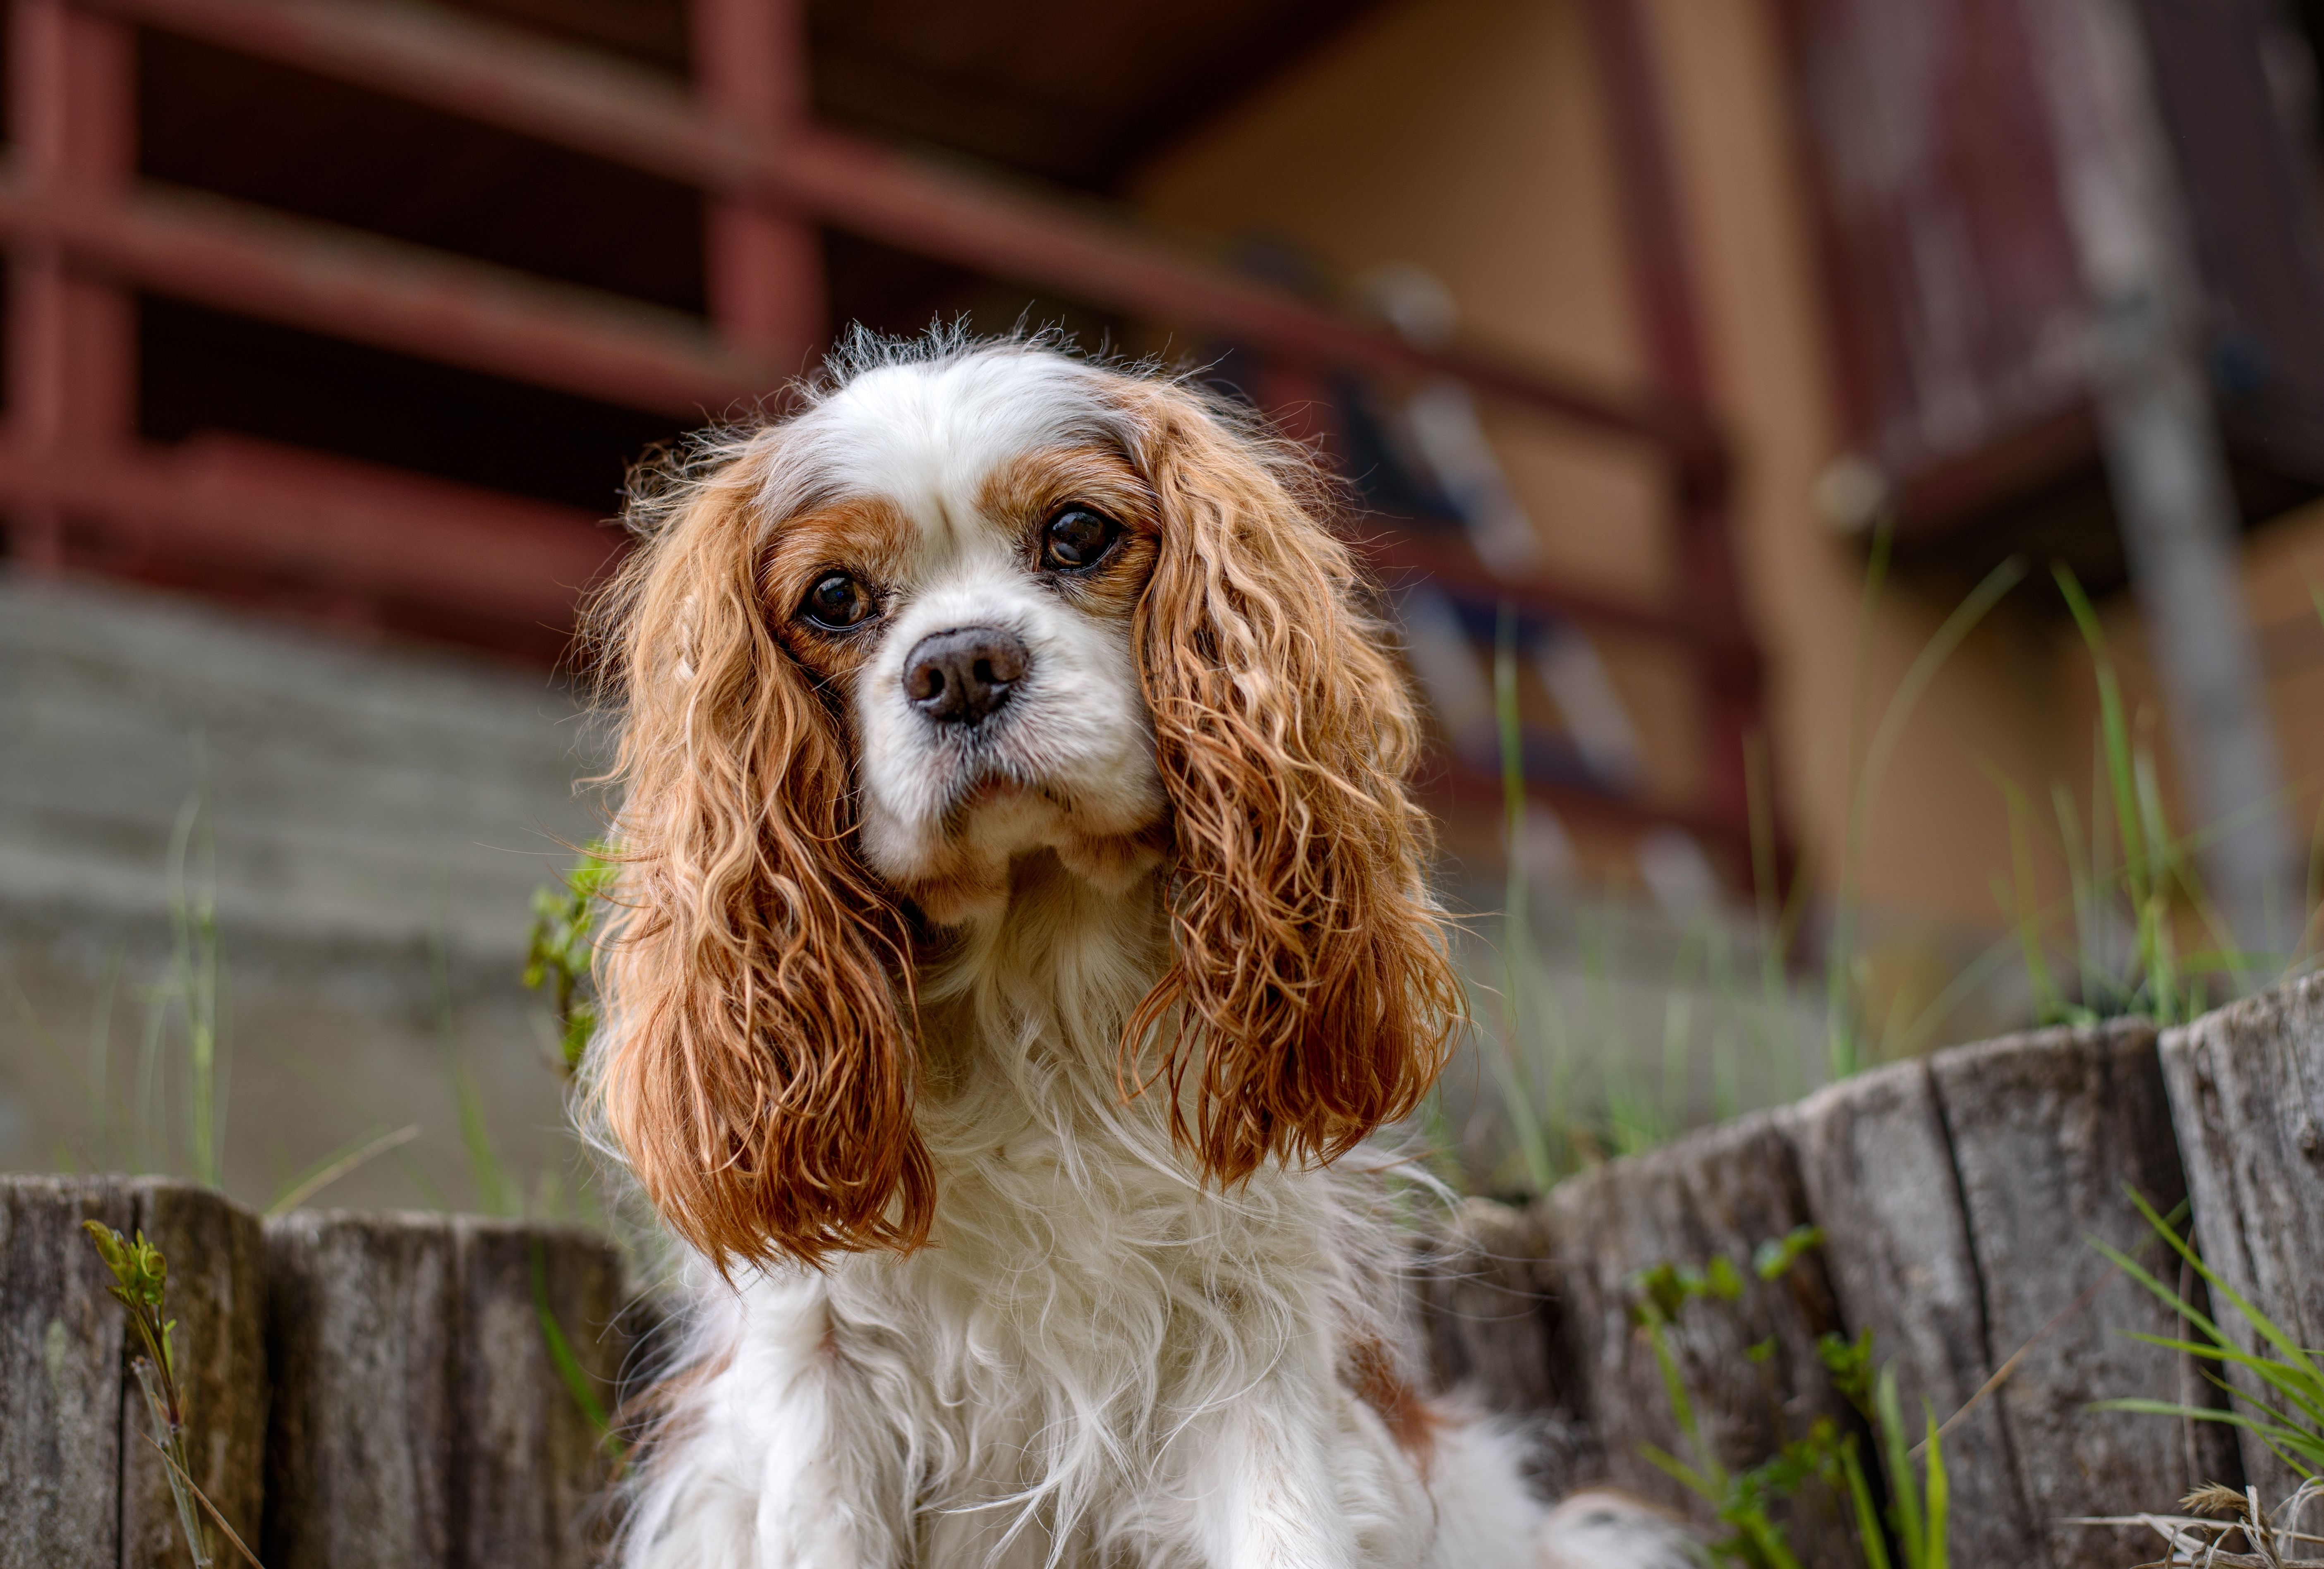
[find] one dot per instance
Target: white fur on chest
(1097, 1359)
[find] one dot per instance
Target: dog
(1023, 925)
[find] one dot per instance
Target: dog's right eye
(837, 603)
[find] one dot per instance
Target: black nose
(959, 677)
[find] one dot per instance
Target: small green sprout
(140, 1276)
(1773, 1259)
(1745, 1501)
(556, 958)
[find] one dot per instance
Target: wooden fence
(1957, 1195)
(367, 1391)
(381, 1390)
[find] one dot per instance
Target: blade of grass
(1918, 676)
(338, 1164)
(495, 1193)
(2114, 729)
(1902, 1490)
(1869, 1534)
(204, 1500)
(1839, 1040)
(577, 1379)
(1941, 1495)
(2050, 1003)
(1524, 1107)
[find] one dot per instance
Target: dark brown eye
(837, 603)
(1077, 537)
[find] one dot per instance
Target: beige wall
(1468, 135)
(2283, 570)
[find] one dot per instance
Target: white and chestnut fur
(1022, 911)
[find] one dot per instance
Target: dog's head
(972, 605)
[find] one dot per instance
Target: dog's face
(961, 561)
(970, 606)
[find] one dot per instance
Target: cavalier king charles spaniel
(1022, 914)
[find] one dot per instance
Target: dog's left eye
(837, 602)
(1077, 537)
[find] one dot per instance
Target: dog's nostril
(960, 677)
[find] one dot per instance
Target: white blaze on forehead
(1070, 757)
(929, 435)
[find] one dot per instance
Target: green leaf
(577, 1379)
(1902, 1486)
(1773, 1259)
(1939, 1495)
(2294, 1431)
(109, 1248)
(1869, 1534)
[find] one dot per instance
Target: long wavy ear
(755, 1067)
(1310, 992)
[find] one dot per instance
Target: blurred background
(1844, 472)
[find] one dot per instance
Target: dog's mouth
(992, 782)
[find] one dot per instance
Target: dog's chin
(956, 865)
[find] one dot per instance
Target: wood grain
(60, 1373)
(2246, 1087)
(359, 1336)
(1877, 1167)
(419, 1416)
(216, 1293)
(78, 1482)
(1721, 1192)
(532, 1476)
(2048, 1129)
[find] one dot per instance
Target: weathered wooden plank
(1487, 1295)
(1719, 1193)
(216, 1255)
(361, 1324)
(2047, 1129)
(2246, 1087)
(1878, 1170)
(532, 1472)
(61, 1374)
(78, 1483)
(419, 1416)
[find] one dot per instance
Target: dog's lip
(995, 787)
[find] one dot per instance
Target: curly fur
(1006, 1084)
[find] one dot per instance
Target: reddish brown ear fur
(757, 1070)
(1310, 979)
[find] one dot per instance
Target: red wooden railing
(79, 485)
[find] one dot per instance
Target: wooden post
(419, 1417)
(72, 351)
(1877, 1163)
(764, 266)
(61, 1374)
(529, 1488)
(78, 1483)
(2047, 1130)
(2247, 1095)
(1719, 1193)
(359, 1447)
(1678, 354)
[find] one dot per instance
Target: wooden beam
(1395, 554)
(277, 515)
(389, 294)
(72, 350)
(1678, 349)
(763, 267)
(632, 115)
